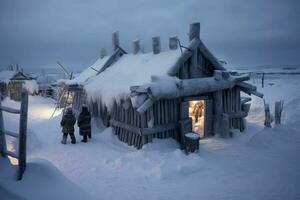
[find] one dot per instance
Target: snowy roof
(130, 70)
(88, 72)
(6, 75)
(18, 75)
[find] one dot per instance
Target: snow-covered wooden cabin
(167, 94)
(14, 81)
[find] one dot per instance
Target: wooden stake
(156, 45)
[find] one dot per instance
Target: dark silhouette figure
(84, 124)
(68, 121)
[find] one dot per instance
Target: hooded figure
(68, 121)
(84, 124)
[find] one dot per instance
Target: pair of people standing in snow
(84, 123)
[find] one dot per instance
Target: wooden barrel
(191, 142)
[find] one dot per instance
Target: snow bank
(42, 180)
(114, 83)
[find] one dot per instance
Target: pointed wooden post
(2, 134)
(156, 45)
(173, 43)
(278, 111)
(194, 31)
(115, 40)
(136, 47)
(103, 53)
(268, 118)
(23, 133)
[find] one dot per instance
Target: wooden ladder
(21, 154)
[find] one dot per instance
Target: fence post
(278, 111)
(23, 133)
(2, 134)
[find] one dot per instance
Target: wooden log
(115, 40)
(156, 45)
(159, 128)
(218, 111)
(2, 134)
(225, 130)
(136, 47)
(194, 31)
(173, 43)
(268, 117)
(23, 134)
(278, 111)
(103, 53)
(208, 120)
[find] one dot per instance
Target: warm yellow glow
(12, 160)
(10, 145)
(42, 112)
(196, 112)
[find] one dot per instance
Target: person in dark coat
(68, 121)
(84, 124)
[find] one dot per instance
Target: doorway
(197, 114)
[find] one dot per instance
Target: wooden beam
(10, 110)
(245, 100)
(11, 154)
(159, 128)
(10, 133)
(208, 55)
(187, 53)
(247, 85)
(125, 126)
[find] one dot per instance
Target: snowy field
(257, 164)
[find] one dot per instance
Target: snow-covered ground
(257, 164)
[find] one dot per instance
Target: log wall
(159, 121)
(233, 108)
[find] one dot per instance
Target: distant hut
(5, 76)
(12, 82)
(168, 94)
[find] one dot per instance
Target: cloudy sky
(37, 33)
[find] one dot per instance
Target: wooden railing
(21, 154)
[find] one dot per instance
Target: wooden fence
(21, 154)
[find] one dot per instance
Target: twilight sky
(37, 33)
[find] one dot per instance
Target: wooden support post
(208, 119)
(156, 45)
(23, 134)
(278, 111)
(268, 117)
(103, 53)
(115, 40)
(173, 43)
(136, 47)
(2, 134)
(194, 31)
(263, 80)
(218, 111)
(225, 133)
